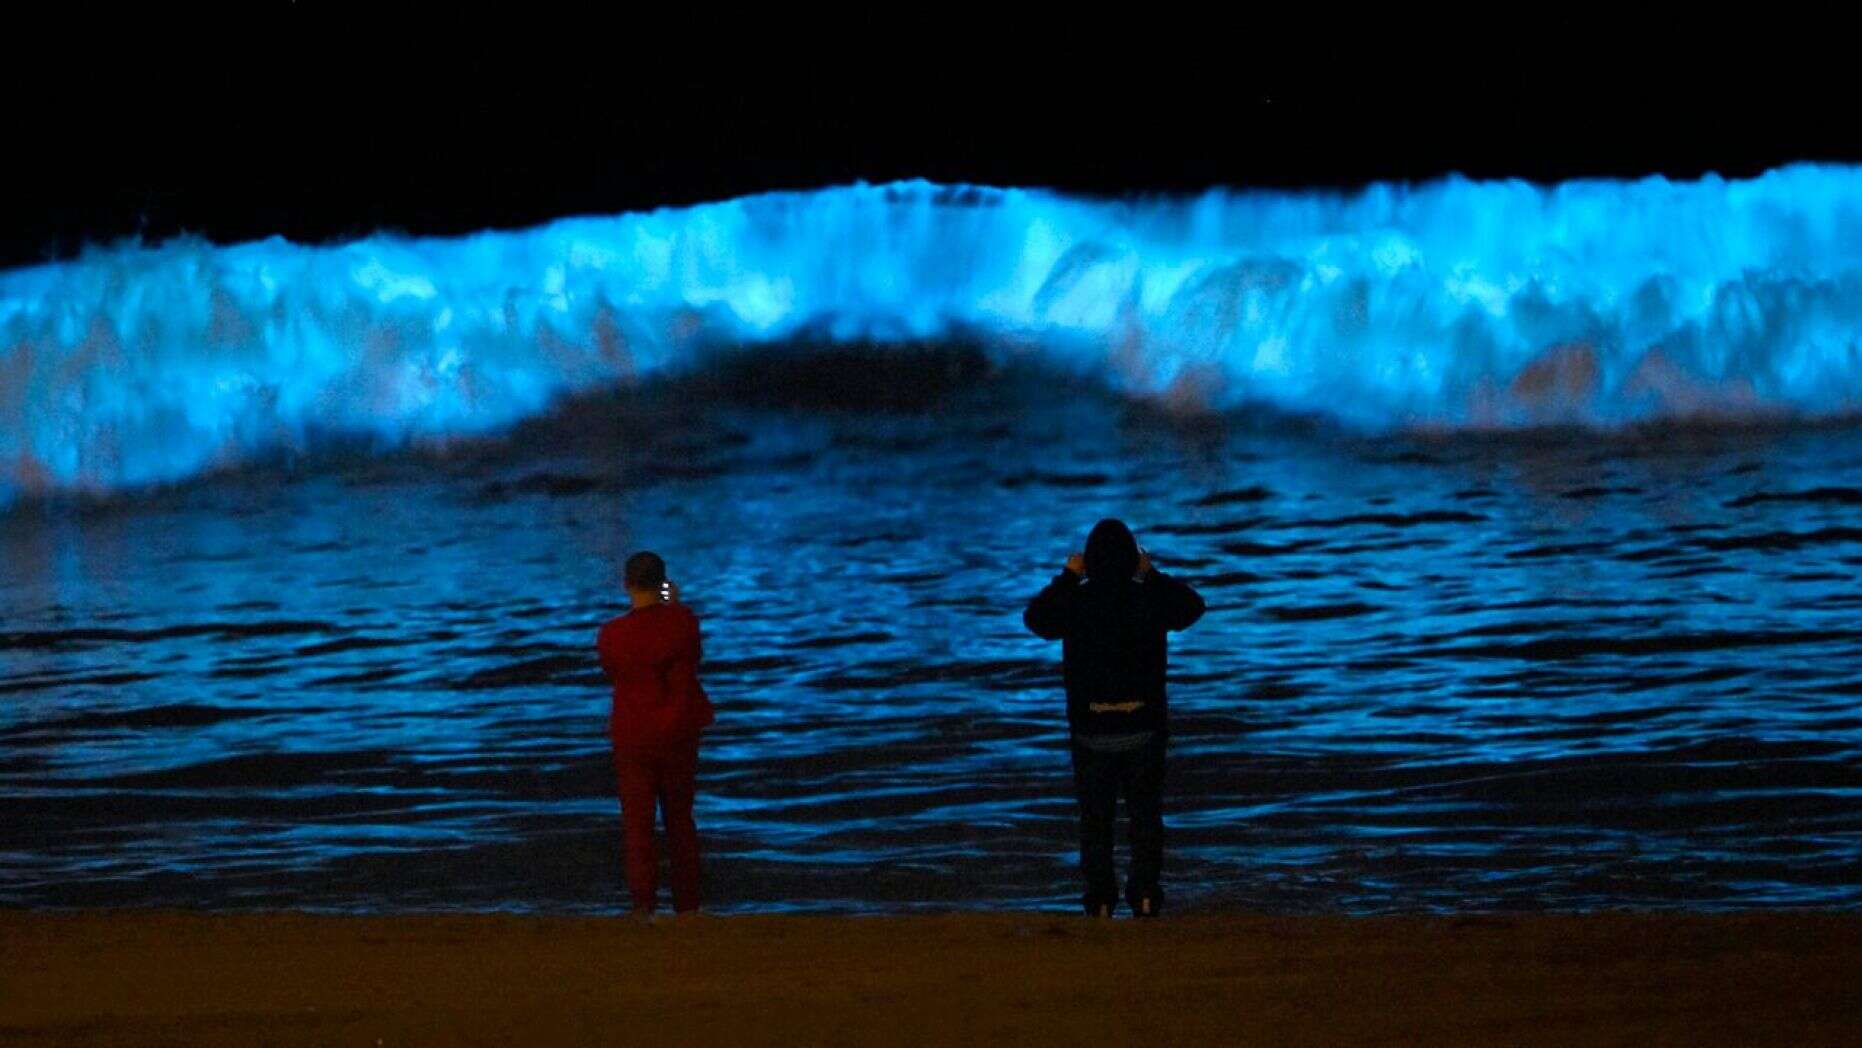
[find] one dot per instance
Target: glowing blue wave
(1453, 304)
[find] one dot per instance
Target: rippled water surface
(1563, 671)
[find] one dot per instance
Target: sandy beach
(157, 977)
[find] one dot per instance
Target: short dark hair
(645, 571)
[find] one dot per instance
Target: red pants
(670, 778)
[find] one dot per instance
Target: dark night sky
(315, 127)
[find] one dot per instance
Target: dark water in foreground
(1565, 672)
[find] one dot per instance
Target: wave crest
(1453, 304)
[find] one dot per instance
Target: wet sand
(157, 977)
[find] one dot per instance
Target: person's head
(1111, 552)
(644, 573)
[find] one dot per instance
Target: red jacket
(651, 657)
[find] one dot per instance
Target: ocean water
(1529, 671)
(1524, 515)
(1451, 305)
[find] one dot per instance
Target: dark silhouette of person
(1110, 608)
(651, 656)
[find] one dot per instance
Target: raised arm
(1176, 605)
(1050, 613)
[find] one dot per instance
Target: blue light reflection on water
(1451, 304)
(1436, 674)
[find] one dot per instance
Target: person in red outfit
(651, 655)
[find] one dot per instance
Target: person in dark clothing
(1110, 609)
(650, 656)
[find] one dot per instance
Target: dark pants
(666, 780)
(1098, 780)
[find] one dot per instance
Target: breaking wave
(1450, 305)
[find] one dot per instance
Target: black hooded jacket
(1112, 630)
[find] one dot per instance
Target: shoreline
(165, 976)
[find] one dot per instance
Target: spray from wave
(1452, 305)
